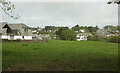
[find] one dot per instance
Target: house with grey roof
(15, 31)
(82, 36)
(103, 32)
(41, 36)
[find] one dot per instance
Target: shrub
(90, 38)
(107, 39)
(115, 39)
(68, 35)
(97, 38)
(57, 38)
(61, 29)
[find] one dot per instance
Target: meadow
(58, 55)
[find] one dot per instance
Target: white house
(34, 31)
(82, 36)
(15, 31)
(81, 30)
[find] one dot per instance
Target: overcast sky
(64, 14)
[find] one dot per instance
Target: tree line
(65, 33)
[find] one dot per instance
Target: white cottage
(82, 36)
(81, 30)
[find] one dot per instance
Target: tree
(91, 29)
(8, 8)
(68, 35)
(49, 27)
(118, 28)
(61, 29)
(96, 27)
(111, 28)
(114, 1)
(76, 28)
(97, 37)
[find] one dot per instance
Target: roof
(103, 32)
(18, 26)
(2, 24)
(14, 25)
(84, 34)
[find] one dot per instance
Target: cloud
(35, 18)
(59, 0)
(0, 14)
(32, 18)
(65, 14)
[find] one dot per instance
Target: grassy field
(56, 55)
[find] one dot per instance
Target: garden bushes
(113, 39)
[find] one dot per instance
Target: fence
(24, 41)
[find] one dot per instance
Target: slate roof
(17, 25)
(14, 25)
(84, 34)
(2, 24)
(103, 32)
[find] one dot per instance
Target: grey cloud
(68, 14)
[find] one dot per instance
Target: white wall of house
(34, 31)
(76, 31)
(4, 36)
(81, 38)
(18, 37)
(81, 30)
(27, 37)
(9, 38)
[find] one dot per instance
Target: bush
(68, 35)
(97, 38)
(57, 38)
(107, 39)
(91, 38)
(115, 39)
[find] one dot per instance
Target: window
(78, 37)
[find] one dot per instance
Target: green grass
(60, 56)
